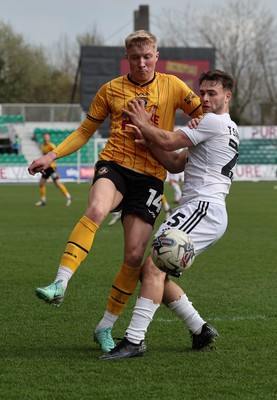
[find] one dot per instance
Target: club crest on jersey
(143, 99)
(102, 171)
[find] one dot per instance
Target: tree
(243, 34)
(26, 76)
(93, 38)
(64, 56)
(19, 69)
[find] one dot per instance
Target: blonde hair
(140, 38)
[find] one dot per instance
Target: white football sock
(177, 191)
(142, 316)
(107, 321)
(64, 274)
(184, 309)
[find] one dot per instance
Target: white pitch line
(238, 318)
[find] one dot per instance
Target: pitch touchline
(238, 318)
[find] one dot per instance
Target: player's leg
(205, 223)
(203, 334)
(63, 189)
(166, 207)
(177, 190)
(103, 197)
(115, 217)
(148, 301)
(136, 236)
(42, 190)
(141, 208)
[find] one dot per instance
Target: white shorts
(204, 222)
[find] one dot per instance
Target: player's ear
(228, 96)
(157, 55)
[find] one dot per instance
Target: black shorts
(142, 194)
(50, 172)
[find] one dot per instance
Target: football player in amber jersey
(50, 172)
(127, 177)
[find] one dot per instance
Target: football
(173, 252)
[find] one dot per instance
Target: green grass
(48, 353)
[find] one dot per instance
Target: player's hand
(137, 112)
(41, 164)
(192, 124)
(136, 133)
(37, 166)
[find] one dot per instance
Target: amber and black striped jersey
(45, 149)
(166, 93)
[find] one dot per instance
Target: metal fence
(44, 112)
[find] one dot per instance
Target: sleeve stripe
(94, 119)
(195, 110)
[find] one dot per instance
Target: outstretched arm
(72, 143)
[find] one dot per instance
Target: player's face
(46, 138)
(214, 98)
(142, 62)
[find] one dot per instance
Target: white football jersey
(208, 172)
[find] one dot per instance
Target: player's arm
(172, 161)
(161, 138)
(71, 144)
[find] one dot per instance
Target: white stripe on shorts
(196, 217)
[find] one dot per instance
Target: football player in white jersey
(212, 152)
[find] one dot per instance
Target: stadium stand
(11, 158)
(257, 152)
(3, 128)
(11, 119)
(57, 136)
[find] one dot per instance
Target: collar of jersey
(142, 84)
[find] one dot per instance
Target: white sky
(45, 22)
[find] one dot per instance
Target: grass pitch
(48, 353)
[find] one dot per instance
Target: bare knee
(96, 214)
(151, 273)
(133, 257)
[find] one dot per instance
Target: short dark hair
(218, 76)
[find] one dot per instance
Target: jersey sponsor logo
(125, 122)
(188, 99)
(142, 94)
